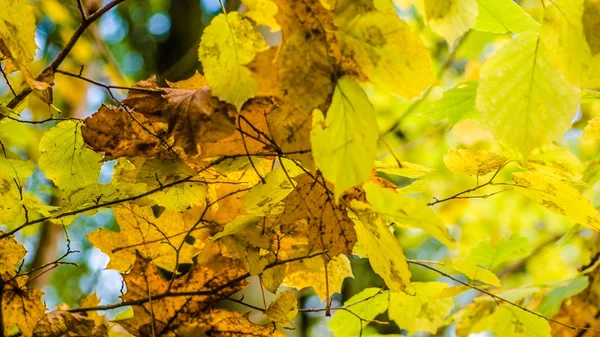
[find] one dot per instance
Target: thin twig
(62, 55)
(8, 82)
(500, 299)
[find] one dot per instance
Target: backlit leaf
(464, 161)
(388, 53)
(228, 44)
(451, 18)
(367, 304)
(491, 254)
(514, 322)
(457, 104)
(344, 143)
(503, 16)
(474, 272)
(66, 160)
(283, 309)
(558, 197)
(520, 87)
(422, 311)
(407, 211)
(384, 251)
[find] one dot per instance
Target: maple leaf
(204, 286)
(329, 228)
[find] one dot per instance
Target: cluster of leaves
(266, 165)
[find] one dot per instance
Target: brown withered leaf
(219, 278)
(196, 117)
(62, 324)
(114, 132)
(186, 120)
(290, 130)
(21, 307)
(226, 323)
(329, 228)
(147, 101)
(307, 60)
(581, 310)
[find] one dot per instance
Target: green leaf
(66, 160)
(524, 100)
(490, 255)
(384, 251)
(551, 302)
(456, 104)
(474, 272)
(407, 211)
(450, 18)
(423, 312)
(510, 321)
(344, 144)
(228, 44)
(503, 16)
(367, 304)
(408, 170)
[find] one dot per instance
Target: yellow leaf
(311, 273)
(155, 237)
(388, 53)
(451, 18)
(592, 129)
(514, 322)
(408, 170)
(66, 160)
(12, 253)
(385, 254)
(554, 161)
(17, 30)
(228, 44)
(21, 307)
(344, 144)
(463, 161)
(263, 13)
(266, 199)
(424, 311)
(569, 34)
(503, 16)
(283, 309)
(407, 211)
(523, 98)
(558, 197)
(474, 272)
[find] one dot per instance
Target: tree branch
(52, 67)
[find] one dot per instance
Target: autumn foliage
(285, 164)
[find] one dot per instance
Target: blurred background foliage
(142, 38)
